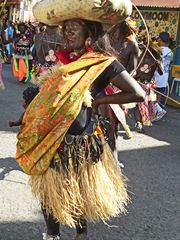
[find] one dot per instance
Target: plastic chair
(177, 80)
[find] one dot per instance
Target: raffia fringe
(96, 192)
(44, 76)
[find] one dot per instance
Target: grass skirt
(97, 191)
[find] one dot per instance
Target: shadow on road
(6, 166)
(154, 176)
(167, 129)
(21, 230)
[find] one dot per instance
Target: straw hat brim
(53, 12)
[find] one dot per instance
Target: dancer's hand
(11, 124)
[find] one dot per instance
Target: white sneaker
(48, 237)
(159, 115)
(121, 165)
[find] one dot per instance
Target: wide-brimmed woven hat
(54, 12)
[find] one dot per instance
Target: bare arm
(133, 59)
(16, 123)
(131, 91)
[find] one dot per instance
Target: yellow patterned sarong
(54, 109)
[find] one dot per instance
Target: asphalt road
(152, 165)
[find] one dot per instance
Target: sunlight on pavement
(8, 138)
(17, 202)
(140, 141)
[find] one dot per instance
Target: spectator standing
(9, 34)
(3, 42)
(162, 80)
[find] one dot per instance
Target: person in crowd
(28, 95)
(123, 40)
(142, 34)
(22, 57)
(40, 28)
(151, 62)
(162, 80)
(3, 42)
(62, 143)
(47, 43)
(126, 49)
(9, 34)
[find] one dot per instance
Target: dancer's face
(75, 34)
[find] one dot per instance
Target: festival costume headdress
(54, 12)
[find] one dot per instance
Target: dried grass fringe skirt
(96, 192)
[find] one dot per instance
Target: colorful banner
(159, 21)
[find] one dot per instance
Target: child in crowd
(28, 95)
(162, 80)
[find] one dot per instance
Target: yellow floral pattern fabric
(54, 109)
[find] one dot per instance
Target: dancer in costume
(22, 56)
(124, 42)
(51, 39)
(148, 63)
(152, 61)
(62, 142)
(46, 44)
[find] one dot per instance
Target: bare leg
(53, 228)
(51, 224)
(81, 229)
(113, 131)
(138, 119)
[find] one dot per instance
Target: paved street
(152, 165)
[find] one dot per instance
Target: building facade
(13, 9)
(161, 15)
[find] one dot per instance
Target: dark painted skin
(124, 42)
(127, 52)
